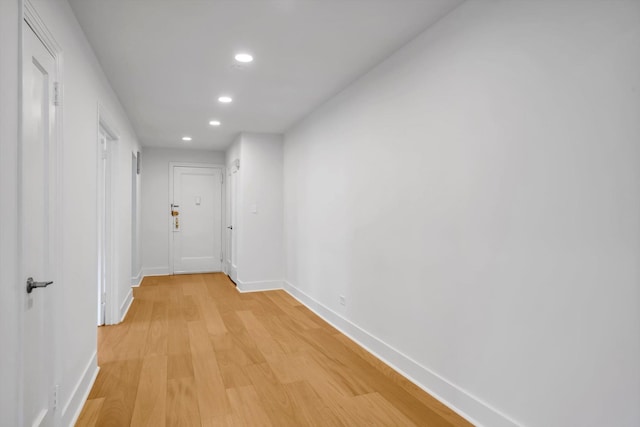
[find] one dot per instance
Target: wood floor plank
(417, 393)
(117, 383)
(276, 402)
(177, 332)
(182, 403)
(309, 406)
(328, 346)
(247, 405)
(90, 412)
(377, 411)
(229, 420)
(179, 366)
(158, 330)
(229, 350)
(291, 310)
(211, 395)
(211, 316)
(288, 334)
(190, 308)
(194, 351)
(210, 388)
(150, 405)
(199, 341)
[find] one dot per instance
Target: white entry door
(196, 221)
(37, 193)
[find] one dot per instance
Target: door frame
(32, 20)
(172, 165)
(110, 241)
(231, 217)
(135, 212)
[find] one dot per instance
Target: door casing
(108, 241)
(233, 175)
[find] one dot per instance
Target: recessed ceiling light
(225, 99)
(244, 57)
(186, 138)
(214, 123)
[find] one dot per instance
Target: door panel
(196, 230)
(37, 176)
(104, 224)
(232, 228)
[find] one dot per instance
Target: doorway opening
(135, 170)
(106, 214)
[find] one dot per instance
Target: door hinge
(54, 396)
(57, 95)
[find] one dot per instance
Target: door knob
(31, 284)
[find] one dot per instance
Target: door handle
(230, 227)
(31, 284)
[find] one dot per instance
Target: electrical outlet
(343, 300)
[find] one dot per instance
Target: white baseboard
(135, 281)
(465, 404)
(263, 285)
(155, 271)
(73, 407)
(126, 304)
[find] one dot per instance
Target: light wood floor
(193, 351)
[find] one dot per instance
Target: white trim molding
(126, 304)
(466, 405)
(257, 286)
(154, 271)
(135, 281)
(73, 407)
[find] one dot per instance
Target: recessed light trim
(215, 123)
(225, 99)
(244, 57)
(187, 138)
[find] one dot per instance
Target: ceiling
(169, 60)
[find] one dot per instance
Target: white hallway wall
(155, 203)
(259, 222)
(476, 198)
(75, 296)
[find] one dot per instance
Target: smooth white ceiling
(169, 60)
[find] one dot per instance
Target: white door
(104, 223)
(196, 221)
(232, 227)
(37, 193)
